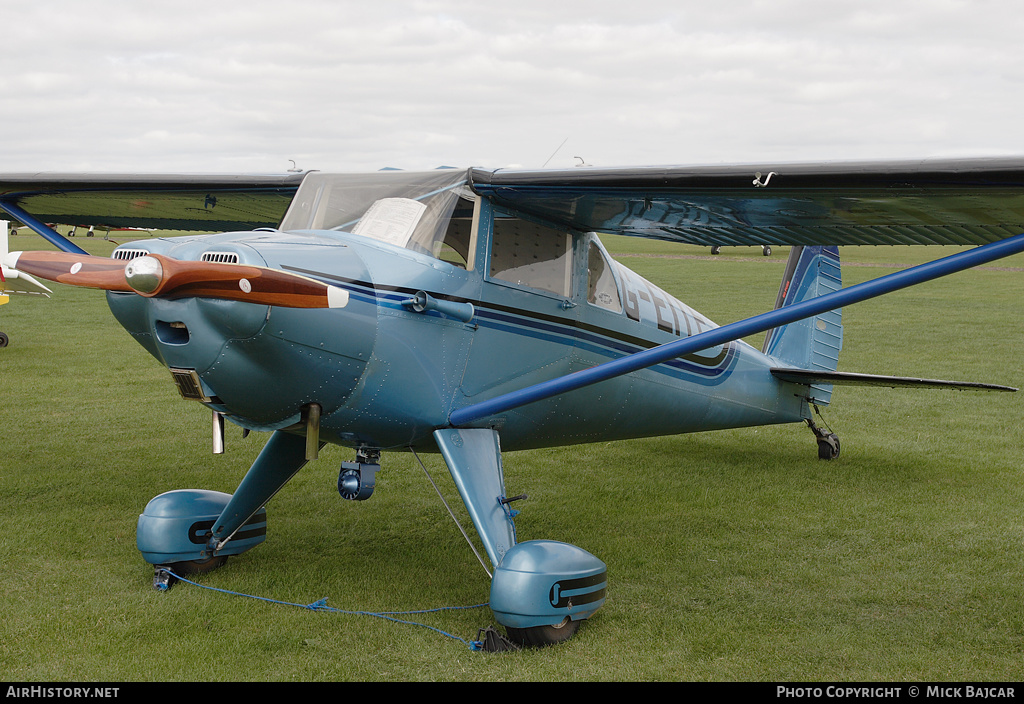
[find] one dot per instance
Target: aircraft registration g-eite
(470, 312)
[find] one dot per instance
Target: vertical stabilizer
(812, 343)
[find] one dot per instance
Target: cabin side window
(533, 255)
(601, 288)
(456, 246)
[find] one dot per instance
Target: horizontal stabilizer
(815, 376)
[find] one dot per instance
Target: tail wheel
(828, 447)
(541, 636)
(4, 339)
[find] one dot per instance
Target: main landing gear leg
(282, 456)
(194, 530)
(541, 589)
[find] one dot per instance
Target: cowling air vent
(220, 257)
(188, 385)
(128, 254)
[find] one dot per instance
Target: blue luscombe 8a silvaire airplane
(470, 311)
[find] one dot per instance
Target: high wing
(940, 202)
(201, 202)
(949, 202)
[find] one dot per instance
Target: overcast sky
(226, 85)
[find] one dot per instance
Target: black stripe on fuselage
(626, 338)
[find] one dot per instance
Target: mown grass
(734, 555)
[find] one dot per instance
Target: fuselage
(386, 374)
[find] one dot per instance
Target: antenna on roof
(555, 152)
(295, 168)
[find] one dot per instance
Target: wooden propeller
(73, 269)
(155, 275)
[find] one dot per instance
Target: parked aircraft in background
(766, 250)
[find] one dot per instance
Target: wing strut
(743, 328)
(41, 228)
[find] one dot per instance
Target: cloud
(199, 86)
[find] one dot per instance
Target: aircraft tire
(766, 251)
(4, 340)
(542, 636)
(828, 450)
(716, 250)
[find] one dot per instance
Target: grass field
(732, 556)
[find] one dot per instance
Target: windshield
(407, 209)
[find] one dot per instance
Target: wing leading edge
(950, 202)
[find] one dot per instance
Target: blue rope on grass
(321, 605)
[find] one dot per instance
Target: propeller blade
(69, 268)
(156, 275)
